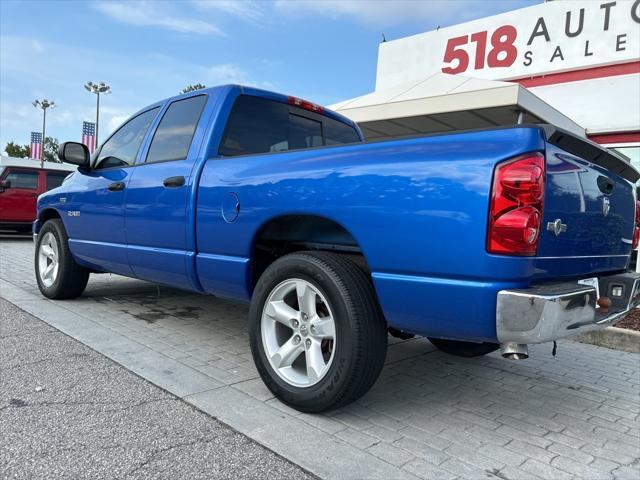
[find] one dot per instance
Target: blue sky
(324, 51)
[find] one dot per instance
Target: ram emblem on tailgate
(557, 227)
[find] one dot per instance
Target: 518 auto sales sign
(551, 37)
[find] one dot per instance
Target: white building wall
(545, 39)
(601, 105)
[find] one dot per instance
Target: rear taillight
(636, 230)
(515, 215)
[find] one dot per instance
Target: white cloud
(155, 14)
(384, 13)
(225, 73)
(27, 74)
(114, 122)
(229, 73)
(37, 46)
(373, 13)
(247, 10)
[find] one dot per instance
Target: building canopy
(442, 103)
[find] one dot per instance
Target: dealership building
(573, 64)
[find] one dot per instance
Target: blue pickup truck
(479, 240)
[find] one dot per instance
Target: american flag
(89, 135)
(36, 146)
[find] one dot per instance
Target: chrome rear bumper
(547, 312)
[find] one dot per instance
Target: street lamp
(43, 104)
(97, 88)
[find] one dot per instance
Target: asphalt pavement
(66, 411)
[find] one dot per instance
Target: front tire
(58, 275)
(317, 334)
(464, 349)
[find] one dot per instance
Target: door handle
(116, 186)
(173, 182)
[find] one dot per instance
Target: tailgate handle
(605, 185)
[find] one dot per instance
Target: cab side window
(122, 147)
(174, 134)
(22, 179)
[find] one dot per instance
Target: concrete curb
(612, 337)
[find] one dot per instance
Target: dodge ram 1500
(479, 240)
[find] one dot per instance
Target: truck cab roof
(233, 90)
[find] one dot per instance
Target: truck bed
(417, 209)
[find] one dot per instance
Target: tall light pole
(43, 104)
(97, 88)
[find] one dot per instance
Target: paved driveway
(429, 415)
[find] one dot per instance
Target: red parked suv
(21, 181)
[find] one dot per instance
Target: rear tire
(58, 275)
(464, 349)
(317, 334)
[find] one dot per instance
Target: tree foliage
(193, 88)
(22, 151)
(51, 150)
(17, 151)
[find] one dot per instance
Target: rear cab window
(23, 179)
(338, 133)
(259, 125)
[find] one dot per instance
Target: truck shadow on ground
(421, 391)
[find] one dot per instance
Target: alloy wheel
(298, 332)
(48, 259)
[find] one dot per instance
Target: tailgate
(589, 207)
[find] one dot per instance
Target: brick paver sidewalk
(430, 415)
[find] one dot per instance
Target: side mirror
(4, 184)
(75, 153)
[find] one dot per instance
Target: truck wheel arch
(47, 214)
(298, 232)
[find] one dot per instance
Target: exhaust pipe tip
(514, 351)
